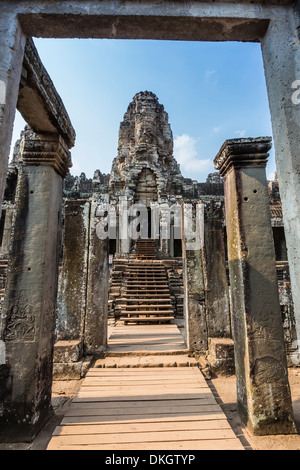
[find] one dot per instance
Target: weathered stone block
(72, 370)
(67, 351)
(221, 356)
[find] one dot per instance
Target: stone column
(263, 393)
(164, 228)
(281, 55)
(95, 334)
(124, 239)
(28, 320)
(217, 298)
(9, 212)
(73, 277)
(12, 44)
(193, 279)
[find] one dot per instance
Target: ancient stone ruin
(104, 275)
(145, 246)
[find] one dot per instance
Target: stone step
(177, 359)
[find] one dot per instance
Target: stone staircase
(145, 249)
(146, 289)
(147, 296)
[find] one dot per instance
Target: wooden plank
(127, 428)
(143, 418)
(142, 407)
(146, 339)
(143, 376)
(107, 407)
(145, 336)
(171, 384)
(221, 444)
(158, 436)
(140, 379)
(152, 370)
(200, 409)
(149, 340)
(110, 373)
(157, 344)
(162, 348)
(162, 405)
(133, 382)
(140, 410)
(143, 373)
(164, 394)
(140, 390)
(142, 329)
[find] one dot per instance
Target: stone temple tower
(145, 169)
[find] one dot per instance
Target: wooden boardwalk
(143, 339)
(161, 408)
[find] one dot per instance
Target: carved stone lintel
(46, 149)
(243, 152)
(39, 101)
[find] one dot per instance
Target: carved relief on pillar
(20, 323)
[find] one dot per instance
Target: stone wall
(145, 170)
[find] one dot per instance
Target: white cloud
(218, 128)
(185, 153)
(209, 73)
(241, 133)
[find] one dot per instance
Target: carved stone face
(145, 133)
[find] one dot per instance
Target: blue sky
(211, 92)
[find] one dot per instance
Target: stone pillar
(12, 44)
(124, 239)
(28, 320)
(164, 228)
(171, 244)
(193, 279)
(73, 276)
(217, 298)
(72, 286)
(281, 55)
(95, 334)
(263, 393)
